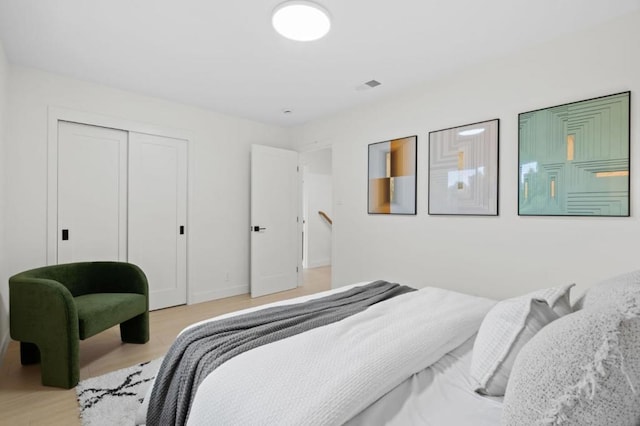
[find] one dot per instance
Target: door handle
(65, 234)
(258, 229)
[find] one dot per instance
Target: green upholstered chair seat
(100, 311)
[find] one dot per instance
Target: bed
(425, 357)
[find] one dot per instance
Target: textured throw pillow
(583, 369)
(506, 329)
(612, 291)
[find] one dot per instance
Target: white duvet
(328, 375)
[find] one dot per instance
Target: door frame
(306, 214)
(56, 114)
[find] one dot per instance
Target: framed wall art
(573, 159)
(463, 170)
(392, 176)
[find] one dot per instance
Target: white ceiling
(225, 56)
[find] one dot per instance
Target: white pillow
(582, 370)
(557, 297)
(612, 291)
(509, 325)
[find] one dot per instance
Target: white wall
(4, 288)
(219, 149)
(318, 194)
(491, 256)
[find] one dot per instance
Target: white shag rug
(114, 398)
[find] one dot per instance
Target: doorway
(317, 196)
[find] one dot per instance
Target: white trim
(300, 214)
(316, 147)
(66, 114)
(207, 296)
(318, 263)
(55, 114)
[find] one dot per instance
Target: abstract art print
(392, 176)
(463, 170)
(574, 158)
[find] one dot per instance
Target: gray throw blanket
(201, 349)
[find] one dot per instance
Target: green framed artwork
(392, 176)
(574, 158)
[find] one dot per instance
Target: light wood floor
(24, 401)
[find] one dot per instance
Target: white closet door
(158, 214)
(92, 191)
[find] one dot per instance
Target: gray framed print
(463, 169)
(392, 176)
(573, 159)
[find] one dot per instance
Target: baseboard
(206, 296)
(318, 263)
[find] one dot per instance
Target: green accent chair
(53, 307)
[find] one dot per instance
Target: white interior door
(275, 235)
(92, 203)
(158, 215)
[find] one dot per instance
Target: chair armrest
(118, 277)
(41, 311)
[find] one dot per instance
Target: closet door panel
(92, 168)
(157, 215)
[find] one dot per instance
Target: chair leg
(135, 330)
(60, 365)
(29, 353)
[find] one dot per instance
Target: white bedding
(440, 395)
(366, 368)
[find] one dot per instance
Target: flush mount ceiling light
(470, 132)
(301, 20)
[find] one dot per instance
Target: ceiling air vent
(368, 85)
